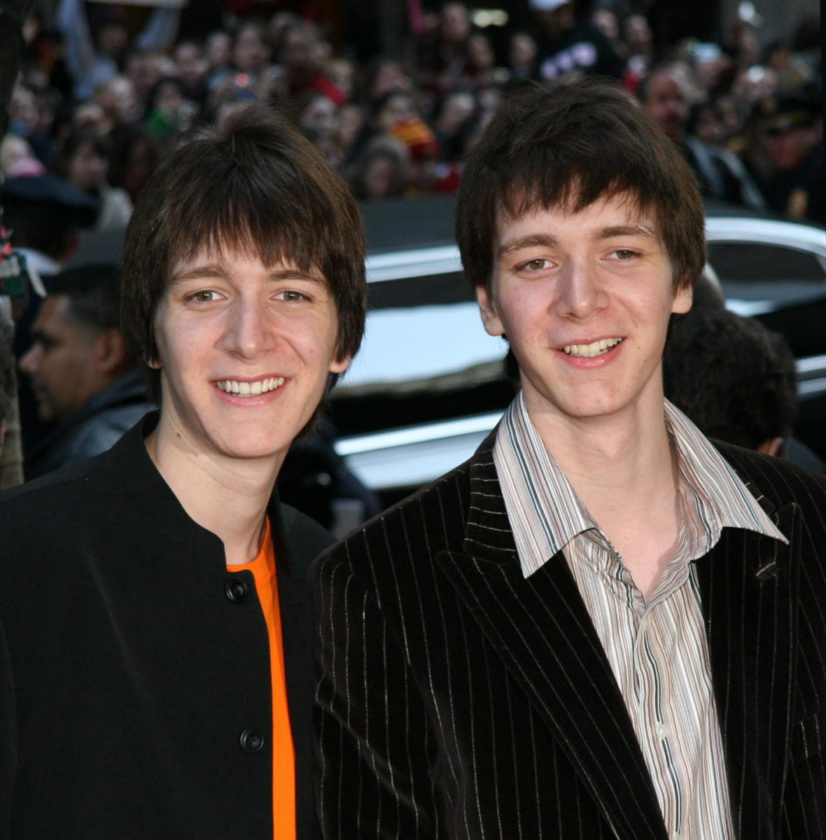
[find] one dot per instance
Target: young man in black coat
(602, 625)
(156, 671)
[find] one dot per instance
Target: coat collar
(541, 629)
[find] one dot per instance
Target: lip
(586, 362)
(251, 400)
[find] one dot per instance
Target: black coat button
(252, 741)
(235, 589)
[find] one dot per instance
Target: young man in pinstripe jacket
(601, 625)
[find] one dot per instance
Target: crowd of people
(603, 623)
(101, 104)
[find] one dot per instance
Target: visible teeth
(596, 348)
(250, 389)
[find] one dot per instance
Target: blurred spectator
(704, 123)
(23, 117)
(118, 102)
(638, 49)
(522, 51)
(453, 121)
(192, 68)
(83, 160)
(17, 158)
(664, 94)
(734, 378)
(341, 73)
(303, 55)
(317, 116)
(482, 71)
(45, 215)
(218, 55)
(134, 155)
(793, 126)
(7, 379)
(384, 75)
(94, 52)
(382, 171)
(145, 69)
(444, 56)
(168, 111)
(568, 45)
(85, 380)
(251, 50)
(398, 116)
(11, 456)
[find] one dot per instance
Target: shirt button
(662, 733)
(252, 741)
(235, 589)
(676, 836)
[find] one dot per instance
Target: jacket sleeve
(373, 755)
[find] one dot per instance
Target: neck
(623, 471)
(226, 496)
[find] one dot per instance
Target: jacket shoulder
(413, 530)
(304, 537)
(776, 482)
(787, 481)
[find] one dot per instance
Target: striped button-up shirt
(657, 648)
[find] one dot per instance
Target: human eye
(292, 296)
(534, 265)
(202, 296)
(625, 254)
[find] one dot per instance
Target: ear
(683, 299)
(110, 351)
(487, 309)
(771, 446)
(340, 365)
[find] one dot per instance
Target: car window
(752, 261)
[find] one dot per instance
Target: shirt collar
(545, 512)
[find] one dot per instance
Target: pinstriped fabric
(657, 648)
(459, 700)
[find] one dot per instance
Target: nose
(249, 330)
(580, 292)
(28, 361)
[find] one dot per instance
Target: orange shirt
(283, 757)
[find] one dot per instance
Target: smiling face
(584, 299)
(244, 353)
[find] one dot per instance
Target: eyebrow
(547, 240)
(212, 271)
(627, 230)
(533, 240)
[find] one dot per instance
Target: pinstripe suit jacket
(458, 699)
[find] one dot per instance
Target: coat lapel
(541, 629)
(749, 589)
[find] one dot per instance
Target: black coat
(130, 671)
(461, 700)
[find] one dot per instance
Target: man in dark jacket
(83, 375)
(601, 625)
(664, 95)
(156, 671)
